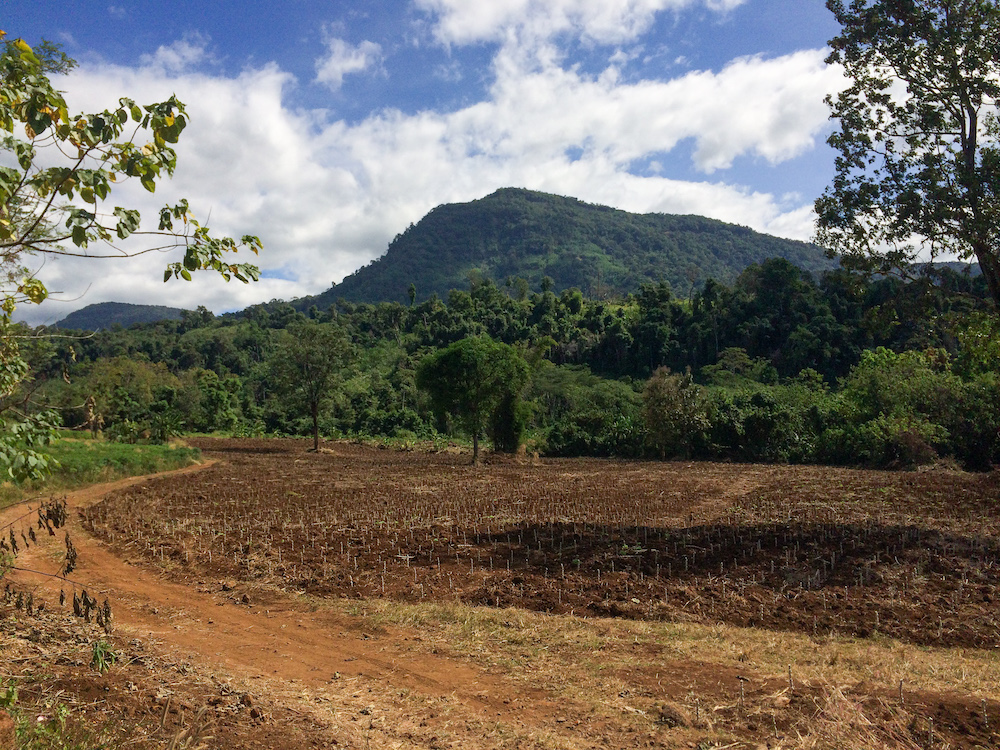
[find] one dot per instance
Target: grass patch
(84, 461)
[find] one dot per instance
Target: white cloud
(342, 59)
(326, 196)
(603, 21)
(182, 55)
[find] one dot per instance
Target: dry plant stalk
(842, 724)
(196, 736)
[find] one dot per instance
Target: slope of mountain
(103, 315)
(526, 234)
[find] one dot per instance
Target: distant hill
(103, 315)
(600, 250)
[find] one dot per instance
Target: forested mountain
(103, 315)
(522, 234)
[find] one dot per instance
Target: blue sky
(327, 127)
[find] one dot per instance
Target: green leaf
(79, 236)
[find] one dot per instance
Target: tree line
(778, 366)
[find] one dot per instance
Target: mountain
(600, 250)
(104, 315)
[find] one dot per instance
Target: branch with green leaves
(53, 200)
(57, 176)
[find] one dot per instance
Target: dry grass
(625, 672)
(845, 723)
(507, 636)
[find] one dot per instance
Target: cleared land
(421, 602)
(915, 556)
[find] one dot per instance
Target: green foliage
(78, 462)
(56, 175)
(772, 353)
(477, 381)
(585, 415)
(102, 656)
(67, 167)
(896, 409)
(521, 234)
(49, 727)
(212, 402)
(103, 315)
(735, 367)
(919, 155)
(308, 362)
(978, 337)
(24, 433)
(777, 422)
(675, 412)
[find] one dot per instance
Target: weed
(103, 657)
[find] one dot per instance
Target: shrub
(768, 423)
(675, 413)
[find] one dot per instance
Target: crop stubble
(812, 549)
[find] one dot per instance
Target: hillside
(600, 250)
(103, 315)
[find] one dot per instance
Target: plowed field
(370, 598)
(819, 550)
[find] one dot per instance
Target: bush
(768, 423)
(580, 414)
(909, 409)
(675, 413)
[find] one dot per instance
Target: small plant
(103, 656)
(9, 696)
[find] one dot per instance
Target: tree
(57, 173)
(309, 359)
(918, 137)
(471, 379)
(675, 410)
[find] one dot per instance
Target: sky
(327, 127)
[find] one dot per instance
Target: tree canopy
(919, 155)
(471, 379)
(309, 360)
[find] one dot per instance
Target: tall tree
(309, 360)
(471, 379)
(918, 137)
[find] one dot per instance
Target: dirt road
(353, 684)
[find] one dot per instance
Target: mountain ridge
(103, 315)
(602, 251)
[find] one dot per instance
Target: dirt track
(280, 648)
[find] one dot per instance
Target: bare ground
(297, 665)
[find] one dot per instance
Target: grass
(611, 666)
(84, 461)
(493, 636)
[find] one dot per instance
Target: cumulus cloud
(184, 54)
(603, 21)
(342, 59)
(326, 195)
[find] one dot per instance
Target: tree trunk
(315, 416)
(475, 448)
(989, 264)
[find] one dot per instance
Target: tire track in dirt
(276, 643)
